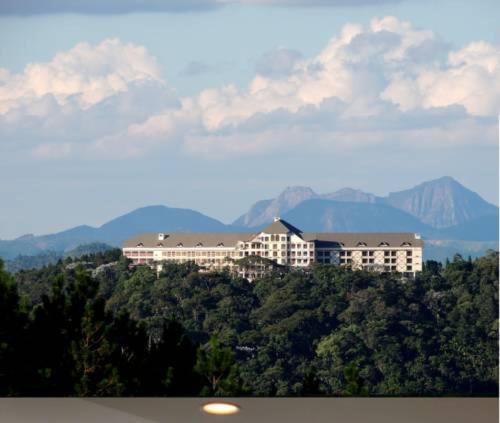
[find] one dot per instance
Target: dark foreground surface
(290, 410)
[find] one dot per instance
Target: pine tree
(216, 364)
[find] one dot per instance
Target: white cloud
(88, 74)
(470, 78)
(384, 83)
(361, 68)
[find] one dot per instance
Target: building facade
(284, 245)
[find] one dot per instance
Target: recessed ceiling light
(220, 408)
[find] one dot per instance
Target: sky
(106, 106)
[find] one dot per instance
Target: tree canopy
(99, 327)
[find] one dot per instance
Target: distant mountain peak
(441, 202)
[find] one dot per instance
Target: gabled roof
(280, 226)
(188, 240)
(371, 239)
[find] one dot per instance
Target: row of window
(389, 266)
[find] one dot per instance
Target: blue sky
(215, 109)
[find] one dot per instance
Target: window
(408, 268)
(408, 260)
(283, 238)
(409, 253)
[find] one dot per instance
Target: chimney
(161, 237)
(418, 236)
(276, 218)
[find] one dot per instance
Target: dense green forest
(25, 262)
(94, 326)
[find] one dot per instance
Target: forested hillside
(99, 328)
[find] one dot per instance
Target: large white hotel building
(285, 245)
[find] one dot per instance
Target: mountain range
(441, 209)
(440, 203)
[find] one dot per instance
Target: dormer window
(406, 244)
(220, 244)
(179, 244)
(140, 244)
(361, 244)
(199, 244)
(383, 244)
(159, 244)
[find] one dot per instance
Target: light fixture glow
(220, 408)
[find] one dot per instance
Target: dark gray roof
(371, 239)
(331, 240)
(280, 226)
(189, 239)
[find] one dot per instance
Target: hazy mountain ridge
(114, 232)
(441, 203)
(264, 211)
(322, 215)
(345, 210)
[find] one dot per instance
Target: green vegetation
(98, 327)
(24, 262)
